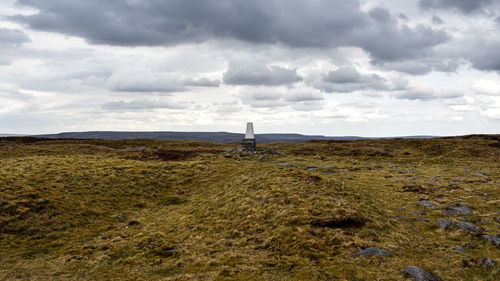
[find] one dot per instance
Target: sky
(368, 68)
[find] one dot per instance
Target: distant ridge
(221, 137)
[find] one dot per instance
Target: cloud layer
(338, 67)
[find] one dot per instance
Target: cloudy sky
(332, 67)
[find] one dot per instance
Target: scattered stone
(262, 157)
(287, 164)
(120, 217)
(486, 262)
(176, 248)
(444, 223)
(479, 175)
(273, 150)
(457, 209)
(470, 227)
(312, 169)
(404, 218)
(420, 274)
(422, 219)
(427, 204)
(471, 245)
(467, 170)
(454, 182)
(489, 263)
(460, 250)
(401, 170)
(495, 239)
(418, 213)
(135, 148)
(370, 251)
(329, 167)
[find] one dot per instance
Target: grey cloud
(142, 105)
(12, 37)
(242, 74)
(422, 66)
(300, 99)
(201, 82)
(348, 79)
(303, 96)
(465, 6)
(320, 24)
(145, 80)
(414, 94)
(426, 94)
(163, 86)
(437, 20)
(485, 56)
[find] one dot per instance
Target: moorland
(185, 210)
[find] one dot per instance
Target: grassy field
(89, 210)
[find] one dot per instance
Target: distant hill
(220, 137)
(11, 135)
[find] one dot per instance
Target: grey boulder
(420, 274)
(427, 204)
(371, 251)
(444, 223)
(468, 226)
(457, 209)
(495, 239)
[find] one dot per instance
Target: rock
(420, 274)
(427, 204)
(228, 155)
(262, 157)
(444, 223)
(468, 226)
(479, 175)
(486, 262)
(457, 209)
(422, 219)
(373, 251)
(495, 239)
(273, 150)
(229, 150)
(454, 182)
(288, 164)
(467, 170)
(418, 213)
(135, 148)
(120, 217)
(471, 245)
(489, 263)
(404, 218)
(460, 250)
(329, 167)
(312, 169)
(400, 170)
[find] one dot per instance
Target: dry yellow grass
(206, 217)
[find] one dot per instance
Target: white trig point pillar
(248, 142)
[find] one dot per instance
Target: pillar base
(249, 145)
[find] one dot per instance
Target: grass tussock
(93, 209)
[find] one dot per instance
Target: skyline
(337, 68)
